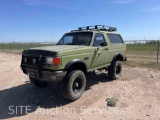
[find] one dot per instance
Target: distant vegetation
(19, 47)
(142, 47)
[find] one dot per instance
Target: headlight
(54, 61)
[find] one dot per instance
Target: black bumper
(44, 74)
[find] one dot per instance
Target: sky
(48, 20)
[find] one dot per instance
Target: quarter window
(114, 38)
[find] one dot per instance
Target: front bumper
(44, 74)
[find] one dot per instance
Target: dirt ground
(137, 91)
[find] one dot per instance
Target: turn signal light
(57, 61)
(53, 61)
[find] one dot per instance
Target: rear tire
(37, 83)
(73, 85)
(115, 70)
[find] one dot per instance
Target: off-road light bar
(34, 61)
(25, 60)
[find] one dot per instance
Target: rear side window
(114, 38)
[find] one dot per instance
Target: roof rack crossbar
(97, 28)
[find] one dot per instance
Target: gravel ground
(137, 92)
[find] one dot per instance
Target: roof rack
(97, 28)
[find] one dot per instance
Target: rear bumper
(44, 74)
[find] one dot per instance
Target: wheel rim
(77, 85)
(118, 70)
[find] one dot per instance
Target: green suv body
(76, 54)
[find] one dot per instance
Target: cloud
(152, 9)
(124, 1)
(53, 3)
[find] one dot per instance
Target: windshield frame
(67, 34)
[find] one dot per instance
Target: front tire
(73, 85)
(37, 83)
(115, 70)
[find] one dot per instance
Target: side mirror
(104, 44)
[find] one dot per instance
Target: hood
(58, 48)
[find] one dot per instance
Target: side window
(114, 38)
(98, 39)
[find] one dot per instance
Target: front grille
(43, 61)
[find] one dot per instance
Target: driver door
(101, 54)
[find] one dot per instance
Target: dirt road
(137, 91)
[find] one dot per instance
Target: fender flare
(117, 55)
(70, 63)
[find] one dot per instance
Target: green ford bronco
(88, 49)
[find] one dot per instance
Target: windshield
(82, 38)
